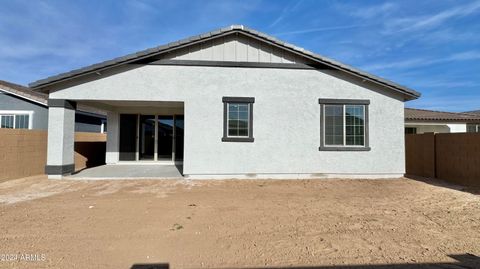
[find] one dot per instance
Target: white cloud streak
(418, 62)
(322, 29)
(285, 13)
(430, 21)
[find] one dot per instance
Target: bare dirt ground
(247, 223)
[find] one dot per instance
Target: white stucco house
(419, 121)
(234, 103)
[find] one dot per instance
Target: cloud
(370, 11)
(445, 83)
(450, 102)
(285, 12)
(322, 29)
(417, 62)
(426, 22)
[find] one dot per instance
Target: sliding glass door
(146, 137)
(151, 137)
(165, 137)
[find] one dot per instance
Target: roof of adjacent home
(148, 53)
(23, 92)
(413, 114)
(40, 98)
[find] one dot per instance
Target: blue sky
(431, 46)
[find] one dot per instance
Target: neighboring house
(22, 108)
(419, 121)
(473, 127)
(235, 103)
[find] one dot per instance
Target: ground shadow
(150, 266)
(444, 184)
(179, 168)
(463, 261)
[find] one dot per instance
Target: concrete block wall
(23, 152)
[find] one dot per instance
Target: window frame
(476, 126)
(16, 113)
(240, 100)
(344, 103)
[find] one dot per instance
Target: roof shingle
(413, 114)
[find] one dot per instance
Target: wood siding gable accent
(235, 48)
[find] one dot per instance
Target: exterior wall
(457, 127)
(286, 120)
(112, 153)
(61, 126)
(40, 113)
(235, 48)
(438, 127)
(87, 123)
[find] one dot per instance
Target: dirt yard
(220, 224)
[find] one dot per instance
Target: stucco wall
(40, 113)
(286, 120)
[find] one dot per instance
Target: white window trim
(19, 112)
(248, 121)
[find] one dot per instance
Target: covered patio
(145, 139)
(129, 171)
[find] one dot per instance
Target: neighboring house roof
(23, 92)
(42, 98)
(413, 114)
(145, 54)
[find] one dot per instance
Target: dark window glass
(7, 121)
(354, 125)
(238, 119)
(410, 130)
(21, 121)
(333, 125)
(473, 128)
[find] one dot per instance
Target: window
(15, 119)
(344, 124)
(473, 127)
(21, 121)
(410, 130)
(7, 121)
(237, 119)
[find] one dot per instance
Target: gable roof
(413, 114)
(23, 92)
(144, 54)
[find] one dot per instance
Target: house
(419, 121)
(234, 103)
(22, 108)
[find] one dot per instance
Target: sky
(432, 46)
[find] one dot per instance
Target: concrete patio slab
(129, 171)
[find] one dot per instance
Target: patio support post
(113, 131)
(61, 136)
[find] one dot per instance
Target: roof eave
(40, 85)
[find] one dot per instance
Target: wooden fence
(453, 157)
(24, 152)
